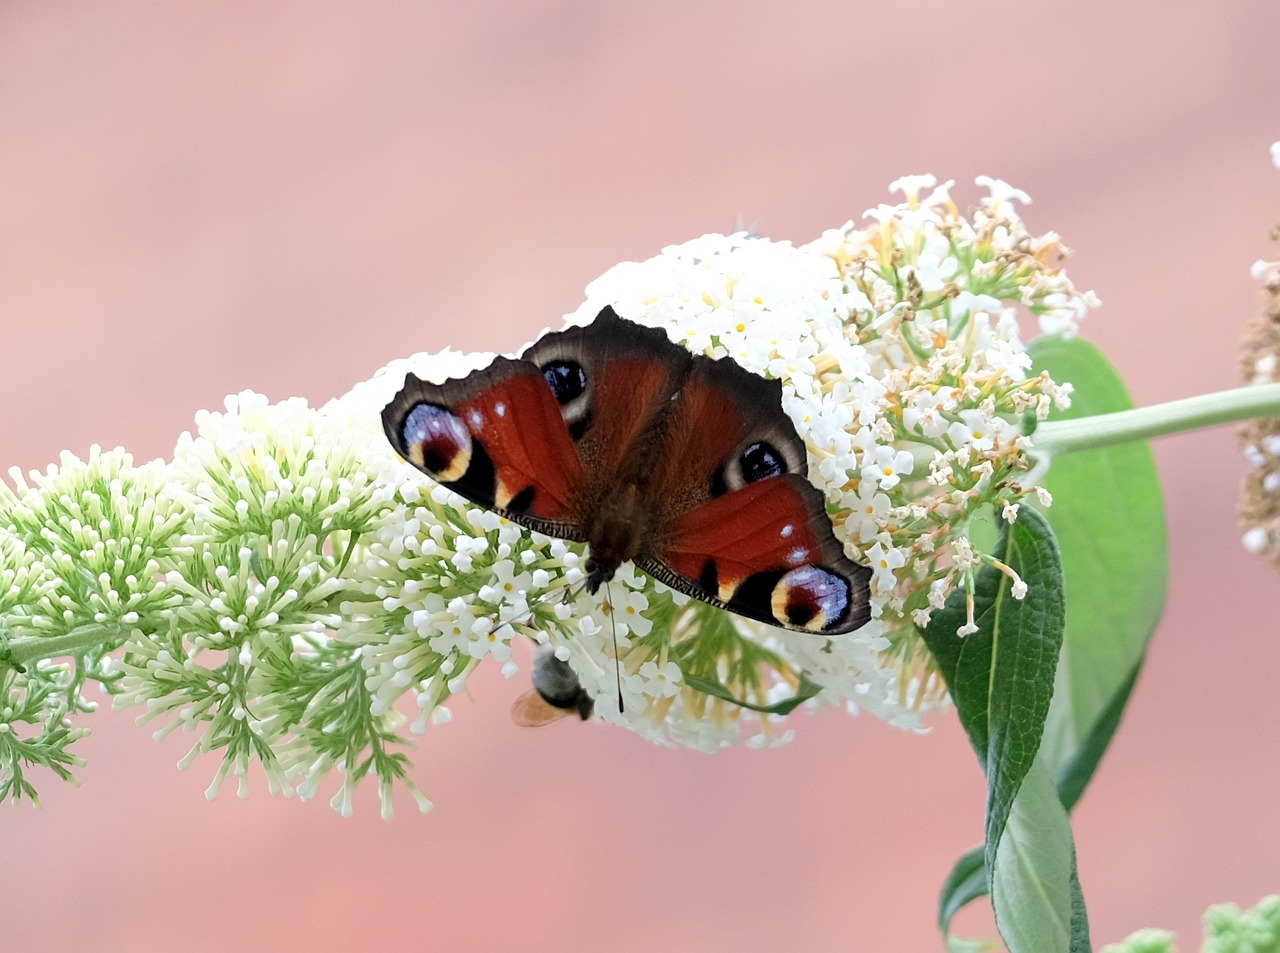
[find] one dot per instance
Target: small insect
(556, 693)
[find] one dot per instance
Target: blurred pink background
(203, 197)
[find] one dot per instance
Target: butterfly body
(611, 435)
(616, 532)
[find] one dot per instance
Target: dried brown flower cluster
(1260, 364)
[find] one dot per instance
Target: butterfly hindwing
(726, 429)
(767, 552)
(742, 527)
(496, 437)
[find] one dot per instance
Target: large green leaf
(1034, 887)
(1108, 517)
(1001, 679)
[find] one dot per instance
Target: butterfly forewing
(497, 437)
(614, 380)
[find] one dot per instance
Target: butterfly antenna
(567, 594)
(520, 617)
(617, 662)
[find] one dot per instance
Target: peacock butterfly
(612, 435)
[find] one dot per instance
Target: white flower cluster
(458, 584)
(287, 584)
(904, 369)
(95, 550)
(82, 550)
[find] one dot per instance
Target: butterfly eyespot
(811, 597)
(567, 380)
(761, 460)
(570, 387)
(436, 440)
(758, 461)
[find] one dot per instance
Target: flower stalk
(1057, 438)
(21, 650)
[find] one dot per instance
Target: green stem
(1057, 437)
(32, 648)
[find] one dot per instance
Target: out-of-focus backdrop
(203, 197)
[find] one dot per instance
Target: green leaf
(709, 686)
(1001, 679)
(1034, 886)
(1076, 772)
(1108, 517)
(966, 883)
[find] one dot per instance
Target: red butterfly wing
(548, 439)
(498, 438)
(615, 381)
(741, 525)
(766, 551)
